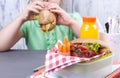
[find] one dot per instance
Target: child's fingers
(41, 4)
(52, 6)
(34, 10)
(37, 7)
(56, 11)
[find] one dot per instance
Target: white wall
(9, 9)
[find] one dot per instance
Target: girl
(25, 26)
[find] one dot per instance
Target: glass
(89, 29)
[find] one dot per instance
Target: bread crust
(79, 40)
(47, 17)
(79, 47)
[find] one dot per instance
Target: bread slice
(47, 20)
(102, 44)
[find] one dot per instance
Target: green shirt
(36, 39)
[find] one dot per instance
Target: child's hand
(62, 16)
(32, 9)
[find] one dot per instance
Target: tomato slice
(82, 47)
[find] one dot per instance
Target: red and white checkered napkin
(114, 74)
(55, 61)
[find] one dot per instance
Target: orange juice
(89, 29)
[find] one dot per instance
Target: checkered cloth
(55, 61)
(114, 74)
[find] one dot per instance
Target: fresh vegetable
(36, 16)
(46, 20)
(93, 46)
(47, 27)
(65, 47)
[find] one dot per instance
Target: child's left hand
(62, 17)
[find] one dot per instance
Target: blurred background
(102, 9)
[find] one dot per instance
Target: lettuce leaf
(47, 27)
(93, 46)
(36, 16)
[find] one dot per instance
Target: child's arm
(75, 26)
(64, 18)
(10, 34)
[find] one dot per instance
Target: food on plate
(86, 48)
(47, 20)
(64, 48)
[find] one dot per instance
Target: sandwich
(88, 48)
(47, 20)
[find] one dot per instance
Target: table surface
(20, 63)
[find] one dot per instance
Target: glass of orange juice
(89, 29)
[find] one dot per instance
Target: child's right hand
(31, 9)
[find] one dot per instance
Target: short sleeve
(24, 29)
(76, 16)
